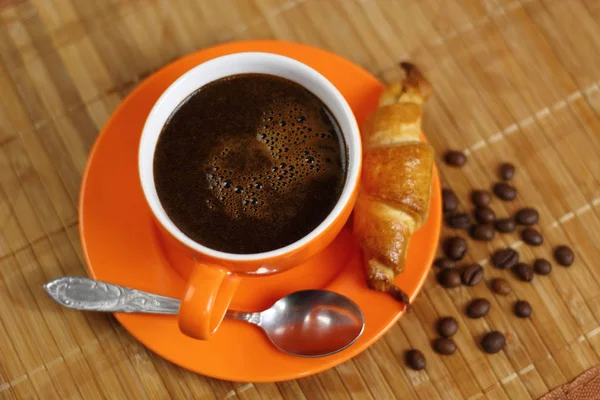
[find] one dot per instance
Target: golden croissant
(393, 199)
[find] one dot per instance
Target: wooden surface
(514, 81)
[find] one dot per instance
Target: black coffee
(250, 163)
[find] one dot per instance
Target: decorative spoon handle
(91, 295)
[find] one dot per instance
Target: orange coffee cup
(213, 276)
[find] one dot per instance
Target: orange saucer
(121, 245)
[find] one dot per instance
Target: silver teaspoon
(308, 323)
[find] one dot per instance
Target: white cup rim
(170, 99)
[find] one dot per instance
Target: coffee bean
(505, 258)
(458, 220)
(443, 263)
(483, 232)
(449, 278)
(527, 216)
(505, 191)
(449, 200)
(501, 286)
(493, 342)
(478, 308)
(415, 359)
(447, 326)
(564, 255)
(542, 266)
(522, 309)
(455, 248)
(444, 346)
(481, 198)
(455, 158)
(523, 271)
(505, 225)
(532, 237)
(485, 215)
(506, 171)
(472, 274)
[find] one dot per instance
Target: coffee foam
(287, 152)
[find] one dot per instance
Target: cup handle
(207, 296)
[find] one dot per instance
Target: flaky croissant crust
(393, 200)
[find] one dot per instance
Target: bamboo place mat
(514, 81)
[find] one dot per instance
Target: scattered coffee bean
(483, 232)
(458, 220)
(455, 248)
(447, 326)
(449, 278)
(449, 200)
(481, 198)
(527, 216)
(505, 225)
(532, 237)
(415, 359)
(523, 271)
(472, 274)
(493, 342)
(478, 308)
(506, 171)
(444, 346)
(501, 286)
(564, 255)
(485, 215)
(505, 258)
(522, 309)
(542, 266)
(455, 158)
(443, 263)
(505, 191)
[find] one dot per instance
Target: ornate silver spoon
(308, 323)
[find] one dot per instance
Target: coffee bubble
(292, 149)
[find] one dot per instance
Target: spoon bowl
(309, 323)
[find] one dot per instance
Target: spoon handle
(91, 295)
(251, 317)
